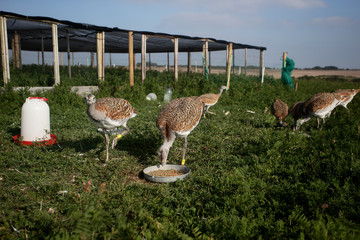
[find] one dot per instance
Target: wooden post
(229, 65)
(209, 62)
(42, 53)
(284, 60)
(17, 45)
(68, 53)
(189, 62)
(150, 61)
(4, 50)
(245, 64)
(92, 56)
(143, 57)
(262, 68)
(176, 51)
(110, 60)
(168, 61)
(13, 52)
(206, 55)
(61, 59)
(131, 59)
(233, 62)
(101, 55)
(55, 53)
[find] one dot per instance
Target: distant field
(276, 73)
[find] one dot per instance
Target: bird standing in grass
(297, 112)
(347, 95)
(280, 110)
(177, 119)
(210, 99)
(108, 114)
(320, 106)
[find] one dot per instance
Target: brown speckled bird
(347, 95)
(108, 114)
(177, 119)
(297, 112)
(320, 106)
(210, 99)
(280, 110)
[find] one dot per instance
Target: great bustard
(110, 113)
(320, 106)
(177, 119)
(280, 110)
(347, 95)
(297, 112)
(210, 99)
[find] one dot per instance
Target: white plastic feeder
(35, 120)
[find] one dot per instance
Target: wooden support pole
(56, 53)
(168, 61)
(42, 53)
(176, 51)
(143, 57)
(131, 58)
(233, 62)
(101, 55)
(4, 50)
(262, 68)
(68, 53)
(209, 62)
(229, 65)
(17, 51)
(245, 64)
(189, 62)
(13, 52)
(61, 59)
(150, 61)
(206, 54)
(92, 56)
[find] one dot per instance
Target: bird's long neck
(220, 92)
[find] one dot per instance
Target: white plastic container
(151, 97)
(35, 120)
(168, 94)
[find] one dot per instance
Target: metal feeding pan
(166, 173)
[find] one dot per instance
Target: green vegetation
(249, 179)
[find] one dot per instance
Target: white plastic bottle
(168, 94)
(35, 120)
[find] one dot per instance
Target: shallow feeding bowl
(166, 173)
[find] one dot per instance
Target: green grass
(249, 179)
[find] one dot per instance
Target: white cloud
(301, 4)
(332, 21)
(235, 5)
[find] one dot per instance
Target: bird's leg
(184, 148)
(107, 141)
(164, 149)
(117, 137)
(207, 110)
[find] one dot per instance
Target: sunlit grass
(249, 179)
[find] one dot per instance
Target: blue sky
(313, 32)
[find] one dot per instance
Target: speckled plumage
(320, 106)
(210, 99)
(297, 112)
(108, 114)
(177, 119)
(347, 96)
(280, 110)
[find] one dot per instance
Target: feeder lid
(40, 98)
